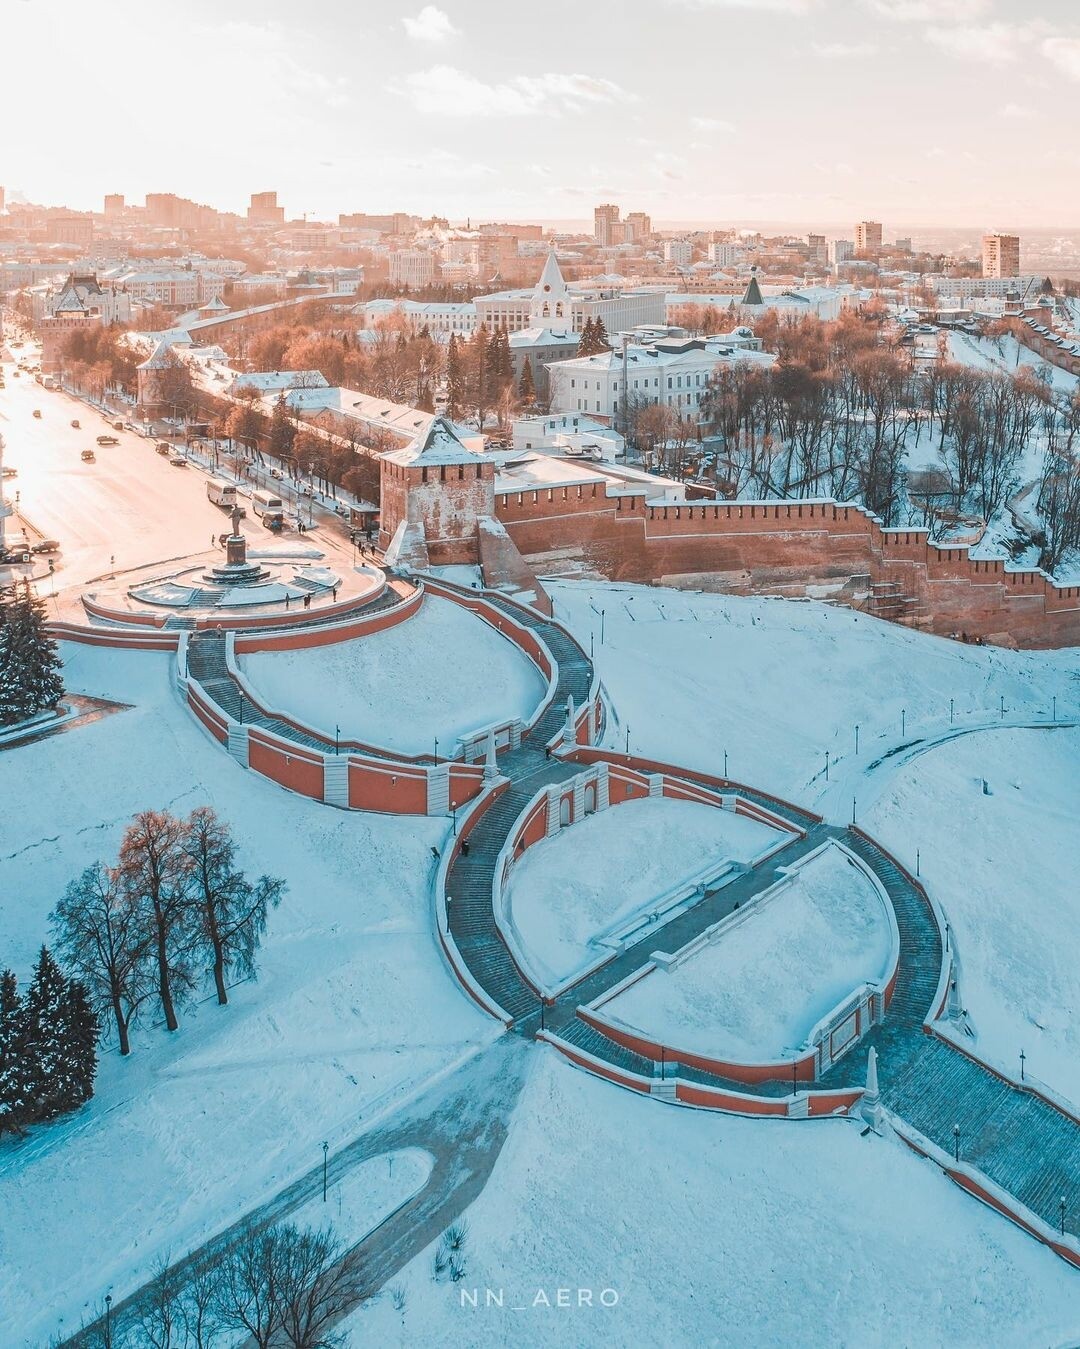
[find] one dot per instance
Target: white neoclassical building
(674, 372)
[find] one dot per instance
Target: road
(128, 509)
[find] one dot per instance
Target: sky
(950, 112)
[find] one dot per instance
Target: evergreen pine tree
(46, 1055)
(13, 1103)
(32, 654)
(13, 701)
(80, 1036)
(601, 341)
(527, 385)
(455, 378)
(585, 342)
(480, 395)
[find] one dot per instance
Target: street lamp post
(1023, 1056)
(1061, 1203)
(628, 742)
(903, 722)
(725, 763)
(856, 738)
(601, 627)
(826, 765)
(241, 709)
(436, 749)
(795, 1078)
(108, 1321)
(956, 1143)
(337, 738)
(325, 1147)
(542, 1026)
(952, 710)
(1002, 704)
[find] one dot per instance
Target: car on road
(117, 426)
(12, 554)
(107, 440)
(75, 423)
(37, 413)
(46, 546)
(88, 456)
(277, 473)
(163, 447)
(307, 490)
(177, 461)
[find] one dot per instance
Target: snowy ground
(1004, 868)
(715, 1230)
(578, 883)
(442, 673)
(777, 683)
(756, 992)
(1006, 355)
(352, 1010)
(357, 1203)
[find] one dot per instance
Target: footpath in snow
(704, 1228)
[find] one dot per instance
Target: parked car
(277, 473)
(88, 456)
(46, 546)
(307, 490)
(12, 554)
(75, 423)
(118, 426)
(37, 411)
(107, 440)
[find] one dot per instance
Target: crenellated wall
(820, 548)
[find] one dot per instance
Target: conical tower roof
(159, 358)
(551, 284)
(753, 293)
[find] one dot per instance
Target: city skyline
(787, 110)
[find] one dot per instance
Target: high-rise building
(678, 251)
(636, 227)
(412, 268)
(841, 250)
(605, 218)
(264, 209)
(816, 248)
(1001, 255)
(114, 205)
(903, 245)
(867, 236)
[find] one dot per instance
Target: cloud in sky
(761, 6)
(1018, 112)
(993, 43)
(929, 11)
(445, 91)
(430, 25)
(842, 51)
(1064, 52)
(712, 124)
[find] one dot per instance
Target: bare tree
(153, 872)
(319, 1284)
(246, 1295)
(229, 912)
(102, 937)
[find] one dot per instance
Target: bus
(221, 493)
(270, 509)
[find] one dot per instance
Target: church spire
(551, 299)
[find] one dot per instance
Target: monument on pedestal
(237, 569)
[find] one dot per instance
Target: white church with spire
(553, 304)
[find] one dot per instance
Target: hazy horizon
(731, 111)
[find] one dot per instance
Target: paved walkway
(85, 709)
(1025, 1145)
(462, 1121)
